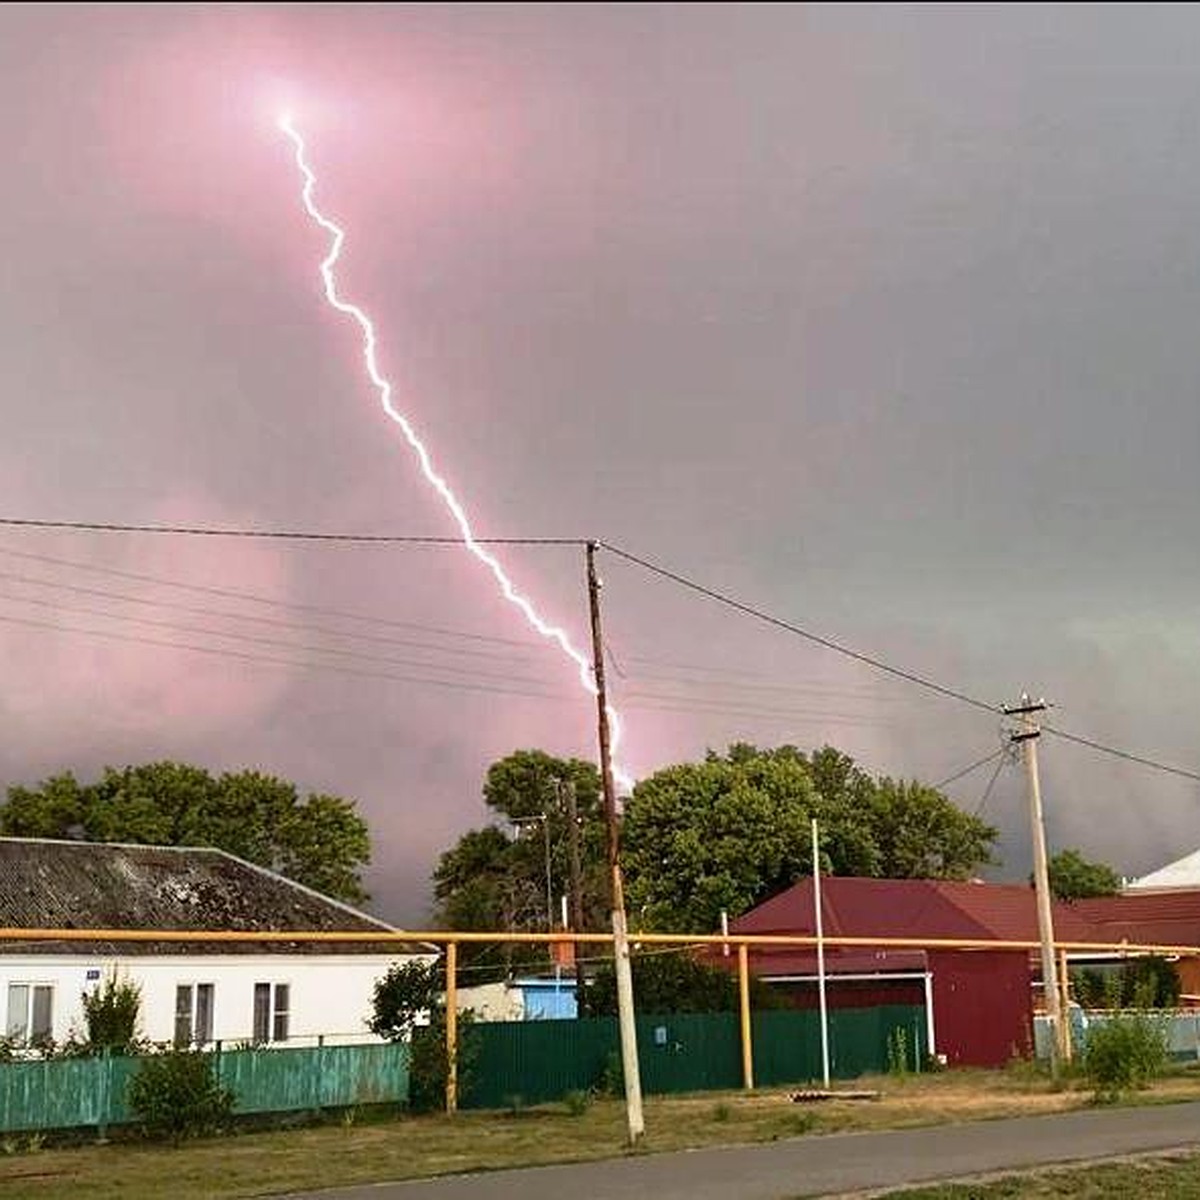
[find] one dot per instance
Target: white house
(1182, 873)
(192, 993)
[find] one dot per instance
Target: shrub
(403, 995)
(611, 1081)
(578, 1102)
(110, 1013)
(1123, 1053)
(897, 1052)
(1150, 982)
(176, 1095)
(429, 1065)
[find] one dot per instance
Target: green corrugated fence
(537, 1061)
(530, 1062)
(90, 1092)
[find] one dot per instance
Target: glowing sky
(880, 319)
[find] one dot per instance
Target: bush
(429, 1065)
(1149, 982)
(676, 983)
(176, 1095)
(1124, 1053)
(110, 1013)
(403, 995)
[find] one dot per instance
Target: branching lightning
(383, 387)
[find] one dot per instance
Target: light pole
(545, 822)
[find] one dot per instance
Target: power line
(937, 787)
(331, 668)
(1182, 772)
(256, 598)
(829, 644)
(287, 535)
(987, 791)
(278, 643)
(272, 622)
(878, 664)
(655, 702)
(422, 540)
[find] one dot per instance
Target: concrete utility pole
(567, 787)
(635, 1122)
(1027, 736)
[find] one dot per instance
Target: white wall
(493, 1002)
(330, 994)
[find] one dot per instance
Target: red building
(979, 1004)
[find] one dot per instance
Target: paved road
(820, 1165)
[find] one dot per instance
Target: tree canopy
(495, 877)
(730, 831)
(1073, 877)
(320, 841)
(675, 982)
(696, 838)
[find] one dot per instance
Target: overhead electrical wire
(797, 630)
(287, 535)
(719, 597)
(272, 643)
(987, 758)
(272, 622)
(334, 668)
(258, 598)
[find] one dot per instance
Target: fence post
(451, 1027)
(744, 1011)
(106, 1088)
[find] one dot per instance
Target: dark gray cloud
(880, 318)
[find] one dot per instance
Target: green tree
(673, 983)
(731, 831)
(721, 834)
(320, 841)
(409, 1005)
(495, 877)
(1073, 877)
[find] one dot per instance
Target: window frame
(25, 1035)
(201, 1002)
(271, 1018)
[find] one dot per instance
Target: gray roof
(91, 885)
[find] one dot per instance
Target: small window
(30, 1013)
(194, 1014)
(272, 1012)
(262, 1012)
(279, 1031)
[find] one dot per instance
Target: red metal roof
(915, 908)
(1169, 916)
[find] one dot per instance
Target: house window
(272, 1011)
(193, 1014)
(30, 1013)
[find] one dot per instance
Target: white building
(192, 993)
(1182, 873)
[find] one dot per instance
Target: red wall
(982, 1006)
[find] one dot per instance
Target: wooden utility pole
(1027, 737)
(635, 1122)
(576, 896)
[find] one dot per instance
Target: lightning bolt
(383, 386)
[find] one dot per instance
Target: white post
(1028, 737)
(931, 1048)
(725, 931)
(816, 874)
